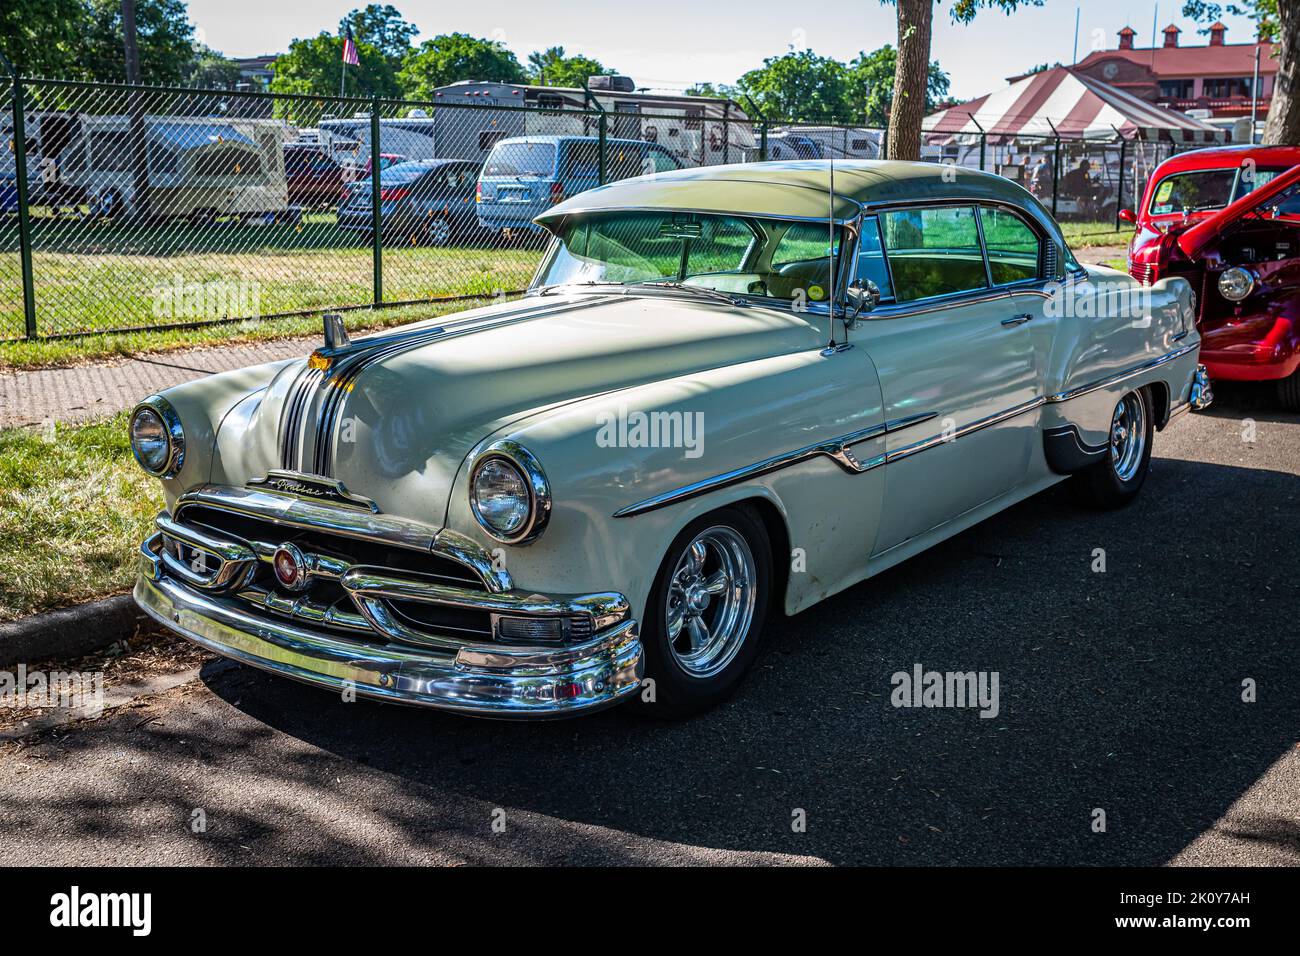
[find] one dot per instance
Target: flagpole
(343, 77)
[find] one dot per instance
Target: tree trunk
(911, 76)
(1283, 123)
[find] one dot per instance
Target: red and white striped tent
(1060, 102)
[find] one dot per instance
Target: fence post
(602, 148)
(1119, 186)
(24, 221)
(376, 219)
(762, 141)
(1056, 173)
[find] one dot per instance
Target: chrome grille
(1144, 272)
(218, 549)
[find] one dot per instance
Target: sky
(671, 44)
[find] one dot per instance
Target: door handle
(1020, 319)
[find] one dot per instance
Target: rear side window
(402, 173)
(1012, 246)
(933, 251)
(521, 159)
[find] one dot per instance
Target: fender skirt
(1067, 452)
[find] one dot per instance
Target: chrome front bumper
(373, 655)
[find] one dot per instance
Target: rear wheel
(1115, 480)
(1288, 392)
(437, 231)
(706, 613)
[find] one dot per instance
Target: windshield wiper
(555, 287)
(715, 294)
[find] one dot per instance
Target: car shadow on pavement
(1121, 691)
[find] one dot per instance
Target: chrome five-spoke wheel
(710, 601)
(1128, 436)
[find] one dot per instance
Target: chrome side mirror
(861, 296)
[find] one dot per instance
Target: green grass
(1083, 234)
(74, 506)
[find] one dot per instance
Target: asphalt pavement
(1120, 690)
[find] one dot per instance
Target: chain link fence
(126, 208)
(1085, 183)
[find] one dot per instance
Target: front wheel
(706, 613)
(1115, 480)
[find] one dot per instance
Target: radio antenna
(830, 228)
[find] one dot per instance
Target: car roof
(1219, 156)
(557, 139)
(800, 189)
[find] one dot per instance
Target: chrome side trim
(837, 449)
(981, 423)
(1120, 376)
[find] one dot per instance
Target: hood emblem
(313, 488)
(290, 567)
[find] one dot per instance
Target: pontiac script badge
(312, 487)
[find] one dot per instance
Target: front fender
(728, 418)
(203, 406)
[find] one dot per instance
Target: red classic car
(1228, 220)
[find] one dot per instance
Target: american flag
(350, 49)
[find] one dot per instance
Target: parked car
(526, 175)
(1228, 221)
(314, 176)
(592, 495)
(355, 173)
(428, 202)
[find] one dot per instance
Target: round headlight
(508, 493)
(1236, 283)
(157, 440)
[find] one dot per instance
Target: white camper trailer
(193, 165)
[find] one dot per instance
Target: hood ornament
(336, 335)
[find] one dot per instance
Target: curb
(71, 631)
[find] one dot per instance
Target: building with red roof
(1215, 77)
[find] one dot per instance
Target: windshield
(521, 159)
(782, 259)
(1205, 189)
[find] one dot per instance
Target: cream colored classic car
(729, 393)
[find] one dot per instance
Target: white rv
(193, 165)
(471, 116)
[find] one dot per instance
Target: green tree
(314, 66)
(711, 89)
(911, 80)
(551, 67)
(870, 86)
(453, 57)
(211, 70)
(164, 36)
(799, 85)
(43, 37)
(1279, 20)
(383, 27)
